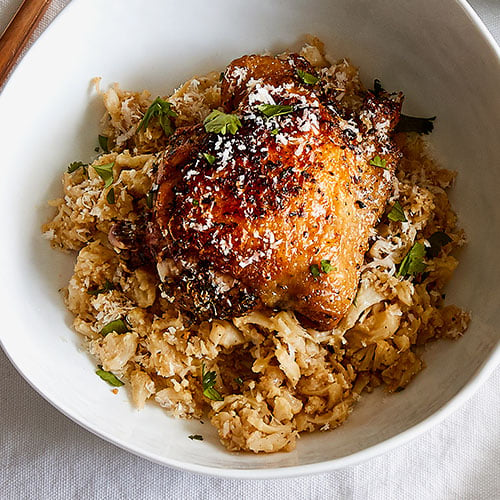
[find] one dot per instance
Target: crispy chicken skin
(282, 217)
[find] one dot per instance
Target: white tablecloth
(44, 455)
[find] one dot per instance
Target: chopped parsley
(110, 197)
(109, 377)
(326, 267)
(74, 166)
(437, 241)
(314, 268)
(307, 77)
(274, 131)
(270, 110)
(119, 326)
(208, 382)
(107, 287)
(105, 172)
(195, 202)
(218, 122)
(162, 110)
(378, 162)
(239, 380)
(414, 124)
(210, 158)
(197, 437)
(103, 143)
(397, 213)
(413, 262)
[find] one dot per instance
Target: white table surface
(44, 455)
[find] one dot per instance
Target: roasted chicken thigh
(276, 209)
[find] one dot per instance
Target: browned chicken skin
(283, 216)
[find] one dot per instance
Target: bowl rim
(463, 395)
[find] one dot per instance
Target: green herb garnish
(109, 377)
(103, 143)
(239, 380)
(275, 109)
(210, 158)
(414, 124)
(110, 197)
(413, 261)
(107, 287)
(326, 267)
(437, 241)
(197, 437)
(118, 325)
(105, 172)
(162, 110)
(397, 213)
(378, 162)
(195, 202)
(74, 166)
(218, 122)
(323, 267)
(307, 77)
(208, 382)
(274, 131)
(314, 269)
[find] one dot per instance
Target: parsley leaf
(307, 77)
(109, 377)
(221, 123)
(107, 287)
(397, 213)
(208, 382)
(118, 325)
(378, 162)
(326, 267)
(414, 124)
(413, 261)
(437, 240)
(103, 143)
(239, 380)
(198, 437)
(74, 166)
(110, 197)
(275, 109)
(105, 172)
(162, 110)
(210, 158)
(274, 131)
(314, 268)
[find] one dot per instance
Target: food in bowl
(263, 245)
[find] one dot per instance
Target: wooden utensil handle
(18, 32)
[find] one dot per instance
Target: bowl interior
(49, 115)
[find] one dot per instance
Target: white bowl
(438, 53)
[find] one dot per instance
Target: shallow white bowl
(438, 53)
